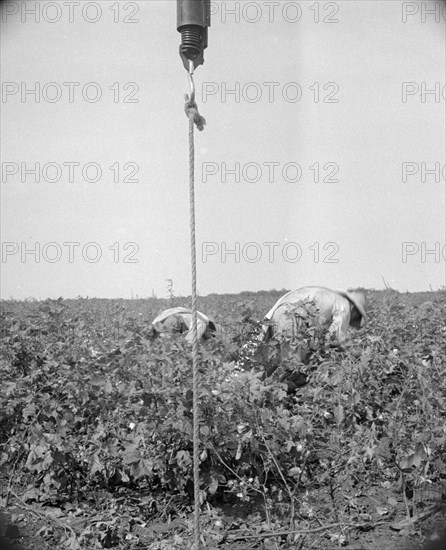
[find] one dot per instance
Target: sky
(322, 161)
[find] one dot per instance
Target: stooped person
(338, 309)
(287, 322)
(178, 320)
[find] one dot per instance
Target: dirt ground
(29, 529)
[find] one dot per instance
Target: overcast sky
(322, 161)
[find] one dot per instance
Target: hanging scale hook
(190, 74)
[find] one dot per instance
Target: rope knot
(191, 110)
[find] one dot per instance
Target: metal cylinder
(193, 19)
(193, 12)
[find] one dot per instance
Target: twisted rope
(194, 118)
